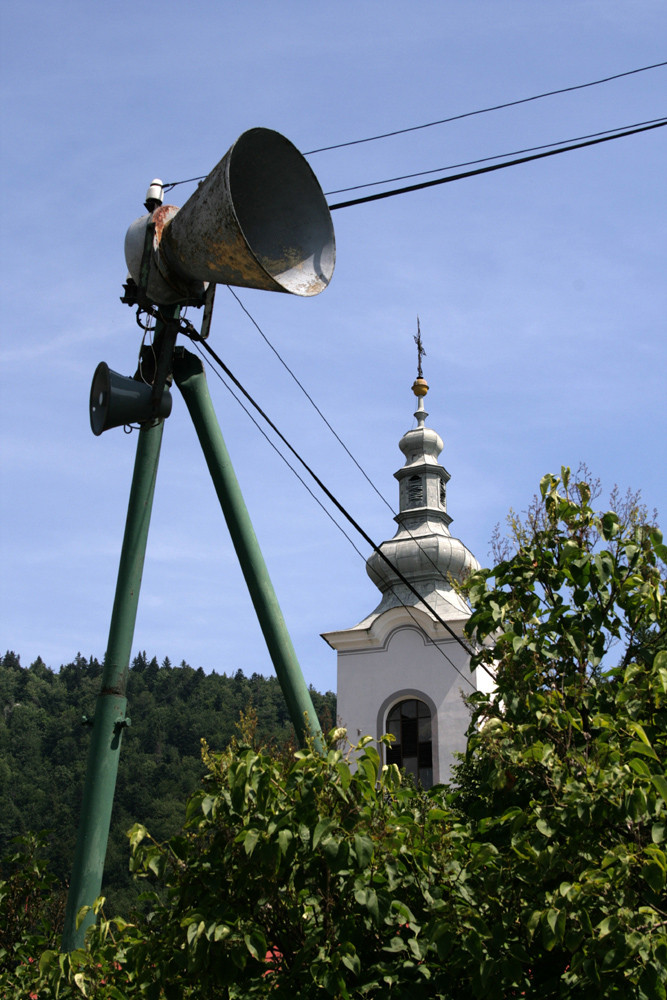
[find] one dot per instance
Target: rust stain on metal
(161, 216)
(258, 220)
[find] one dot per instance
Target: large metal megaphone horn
(259, 220)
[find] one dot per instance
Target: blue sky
(540, 291)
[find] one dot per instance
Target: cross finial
(420, 351)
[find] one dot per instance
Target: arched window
(410, 723)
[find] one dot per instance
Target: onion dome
(423, 549)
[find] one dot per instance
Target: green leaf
(321, 829)
(250, 841)
(656, 854)
(195, 931)
(396, 944)
(363, 848)
(615, 957)
(304, 834)
(553, 928)
(137, 834)
(345, 774)
(544, 828)
(335, 852)
(610, 525)
(607, 925)
(660, 549)
(407, 916)
(637, 805)
(80, 980)
(47, 959)
(81, 915)
(637, 728)
(640, 766)
(367, 769)
(369, 899)
(285, 838)
(415, 948)
(660, 782)
(255, 942)
(654, 875)
(207, 804)
(352, 962)
(642, 748)
(662, 676)
(156, 862)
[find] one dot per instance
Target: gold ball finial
(420, 387)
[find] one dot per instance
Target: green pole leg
(110, 710)
(190, 379)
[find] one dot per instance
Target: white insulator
(155, 192)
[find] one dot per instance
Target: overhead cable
(486, 159)
(277, 450)
(483, 111)
(408, 609)
(335, 501)
(310, 399)
(495, 166)
(443, 121)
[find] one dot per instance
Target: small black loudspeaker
(116, 400)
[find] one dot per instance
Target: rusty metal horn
(258, 220)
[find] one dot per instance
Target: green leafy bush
(541, 873)
(565, 774)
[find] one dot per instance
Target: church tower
(400, 670)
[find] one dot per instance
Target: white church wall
(407, 665)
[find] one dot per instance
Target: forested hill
(44, 745)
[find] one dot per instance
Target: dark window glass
(415, 492)
(410, 723)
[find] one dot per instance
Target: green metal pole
(110, 710)
(190, 379)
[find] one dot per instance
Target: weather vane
(420, 351)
